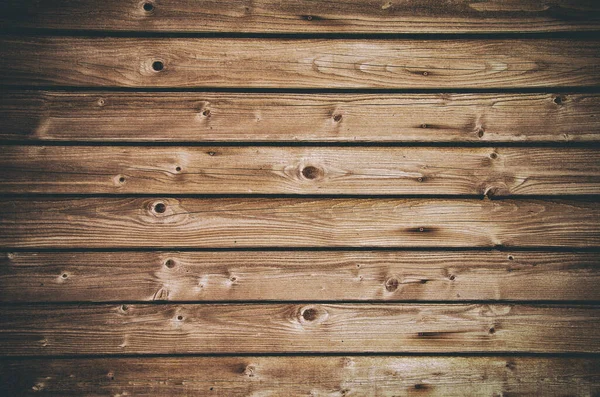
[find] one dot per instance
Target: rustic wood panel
(299, 170)
(319, 376)
(289, 63)
(304, 16)
(275, 275)
(277, 328)
(201, 117)
(295, 222)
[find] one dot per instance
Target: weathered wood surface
(295, 376)
(234, 117)
(299, 170)
(290, 63)
(305, 16)
(277, 328)
(298, 276)
(295, 222)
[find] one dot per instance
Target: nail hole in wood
(160, 208)
(310, 172)
(124, 308)
(180, 317)
(492, 330)
(158, 66)
(337, 118)
(480, 132)
(178, 169)
(65, 275)
(510, 258)
(122, 179)
(452, 277)
(206, 113)
(148, 7)
(558, 100)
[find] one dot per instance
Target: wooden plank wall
(275, 198)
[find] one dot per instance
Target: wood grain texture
(277, 328)
(295, 222)
(291, 63)
(234, 117)
(304, 16)
(301, 376)
(299, 170)
(298, 276)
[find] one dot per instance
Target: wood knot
(148, 7)
(452, 277)
(391, 284)
(310, 172)
(494, 156)
(157, 66)
(206, 113)
(337, 118)
(480, 131)
(170, 263)
(492, 330)
(160, 208)
(124, 308)
(312, 314)
(249, 371)
(558, 100)
(425, 73)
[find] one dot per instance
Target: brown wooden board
(246, 117)
(310, 328)
(299, 170)
(319, 376)
(298, 276)
(150, 222)
(304, 16)
(292, 63)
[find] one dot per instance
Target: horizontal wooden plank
(304, 16)
(292, 376)
(278, 328)
(299, 170)
(295, 222)
(212, 117)
(290, 63)
(304, 275)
